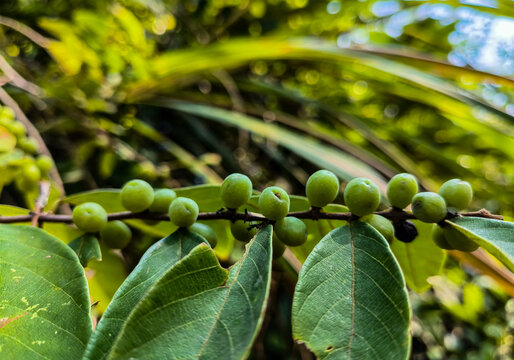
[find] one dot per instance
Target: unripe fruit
(291, 231)
(361, 196)
(405, 231)
(429, 207)
(29, 145)
(457, 193)
(383, 226)
(44, 163)
(439, 238)
(206, 232)
(137, 195)
(183, 212)
(274, 203)
(7, 112)
(31, 173)
(162, 200)
(116, 234)
(17, 129)
(400, 190)
(240, 230)
(89, 217)
(457, 240)
(278, 247)
(236, 190)
(322, 188)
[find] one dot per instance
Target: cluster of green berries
(25, 167)
(138, 196)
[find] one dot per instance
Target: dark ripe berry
(439, 238)
(206, 232)
(274, 203)
(383, 225)
(400, 190)
(429, 207)
(361, 196)
(183, 212)
(236, 190)
(116, 234)
(291, 231)
(242, 231)
(322, 188)
(457, 193)
(137, 195)
(405, 231)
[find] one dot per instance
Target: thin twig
(17, 80)
(30, 33)
(41, 201)
(393, 215)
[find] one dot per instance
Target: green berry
(361, 196)
(116, 234)
(137, 195)
(278, 247)
(183, 212)
(240, 230)
(89, 217)
(162, 200)
(206, 232)
(457, 193)
(236, 190)
(439, 238)
(291, 231)
(274, 203)
(322, 188)
(429, 207)
(17, 129)
(31, 173)
(44, 163)
(381, 224)
(29, 145)
(7, 112)
(458, 240)
(400, 190)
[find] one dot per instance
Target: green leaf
(351, 301)
(191, 312)
(419, 259)
(495, 236)
(154, 264)
(44, 301)
(87, 248)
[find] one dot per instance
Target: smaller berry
(405, 231)
(439, 238)
(236, 190)
(429, 207)
(458, 240)
(206, 232)
(162, 200)
(381, 224)
(31, 173)
(116, 234)
(400, 190)
(274, 203)
(89, 217)
(322, 188)
(17, 129)
(457, 193)
(137, 195)
(183, 212)
(278, 247)
(29, 145)
(291, 231)
(242, 231)
(44, 163)
(361, 196)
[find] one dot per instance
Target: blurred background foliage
(185, 92)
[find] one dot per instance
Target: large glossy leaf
(190, 313)
(495, 236)
(419, 259)
(44, 302)
(154, 264)
(351, 301)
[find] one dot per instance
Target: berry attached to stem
(236, 190)
(400, 190)
(429, 207)
(361, 196)
(322, 188)
(274, 203)
(183, 212)
(291, 231)
(89, 217)
(137, 195)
